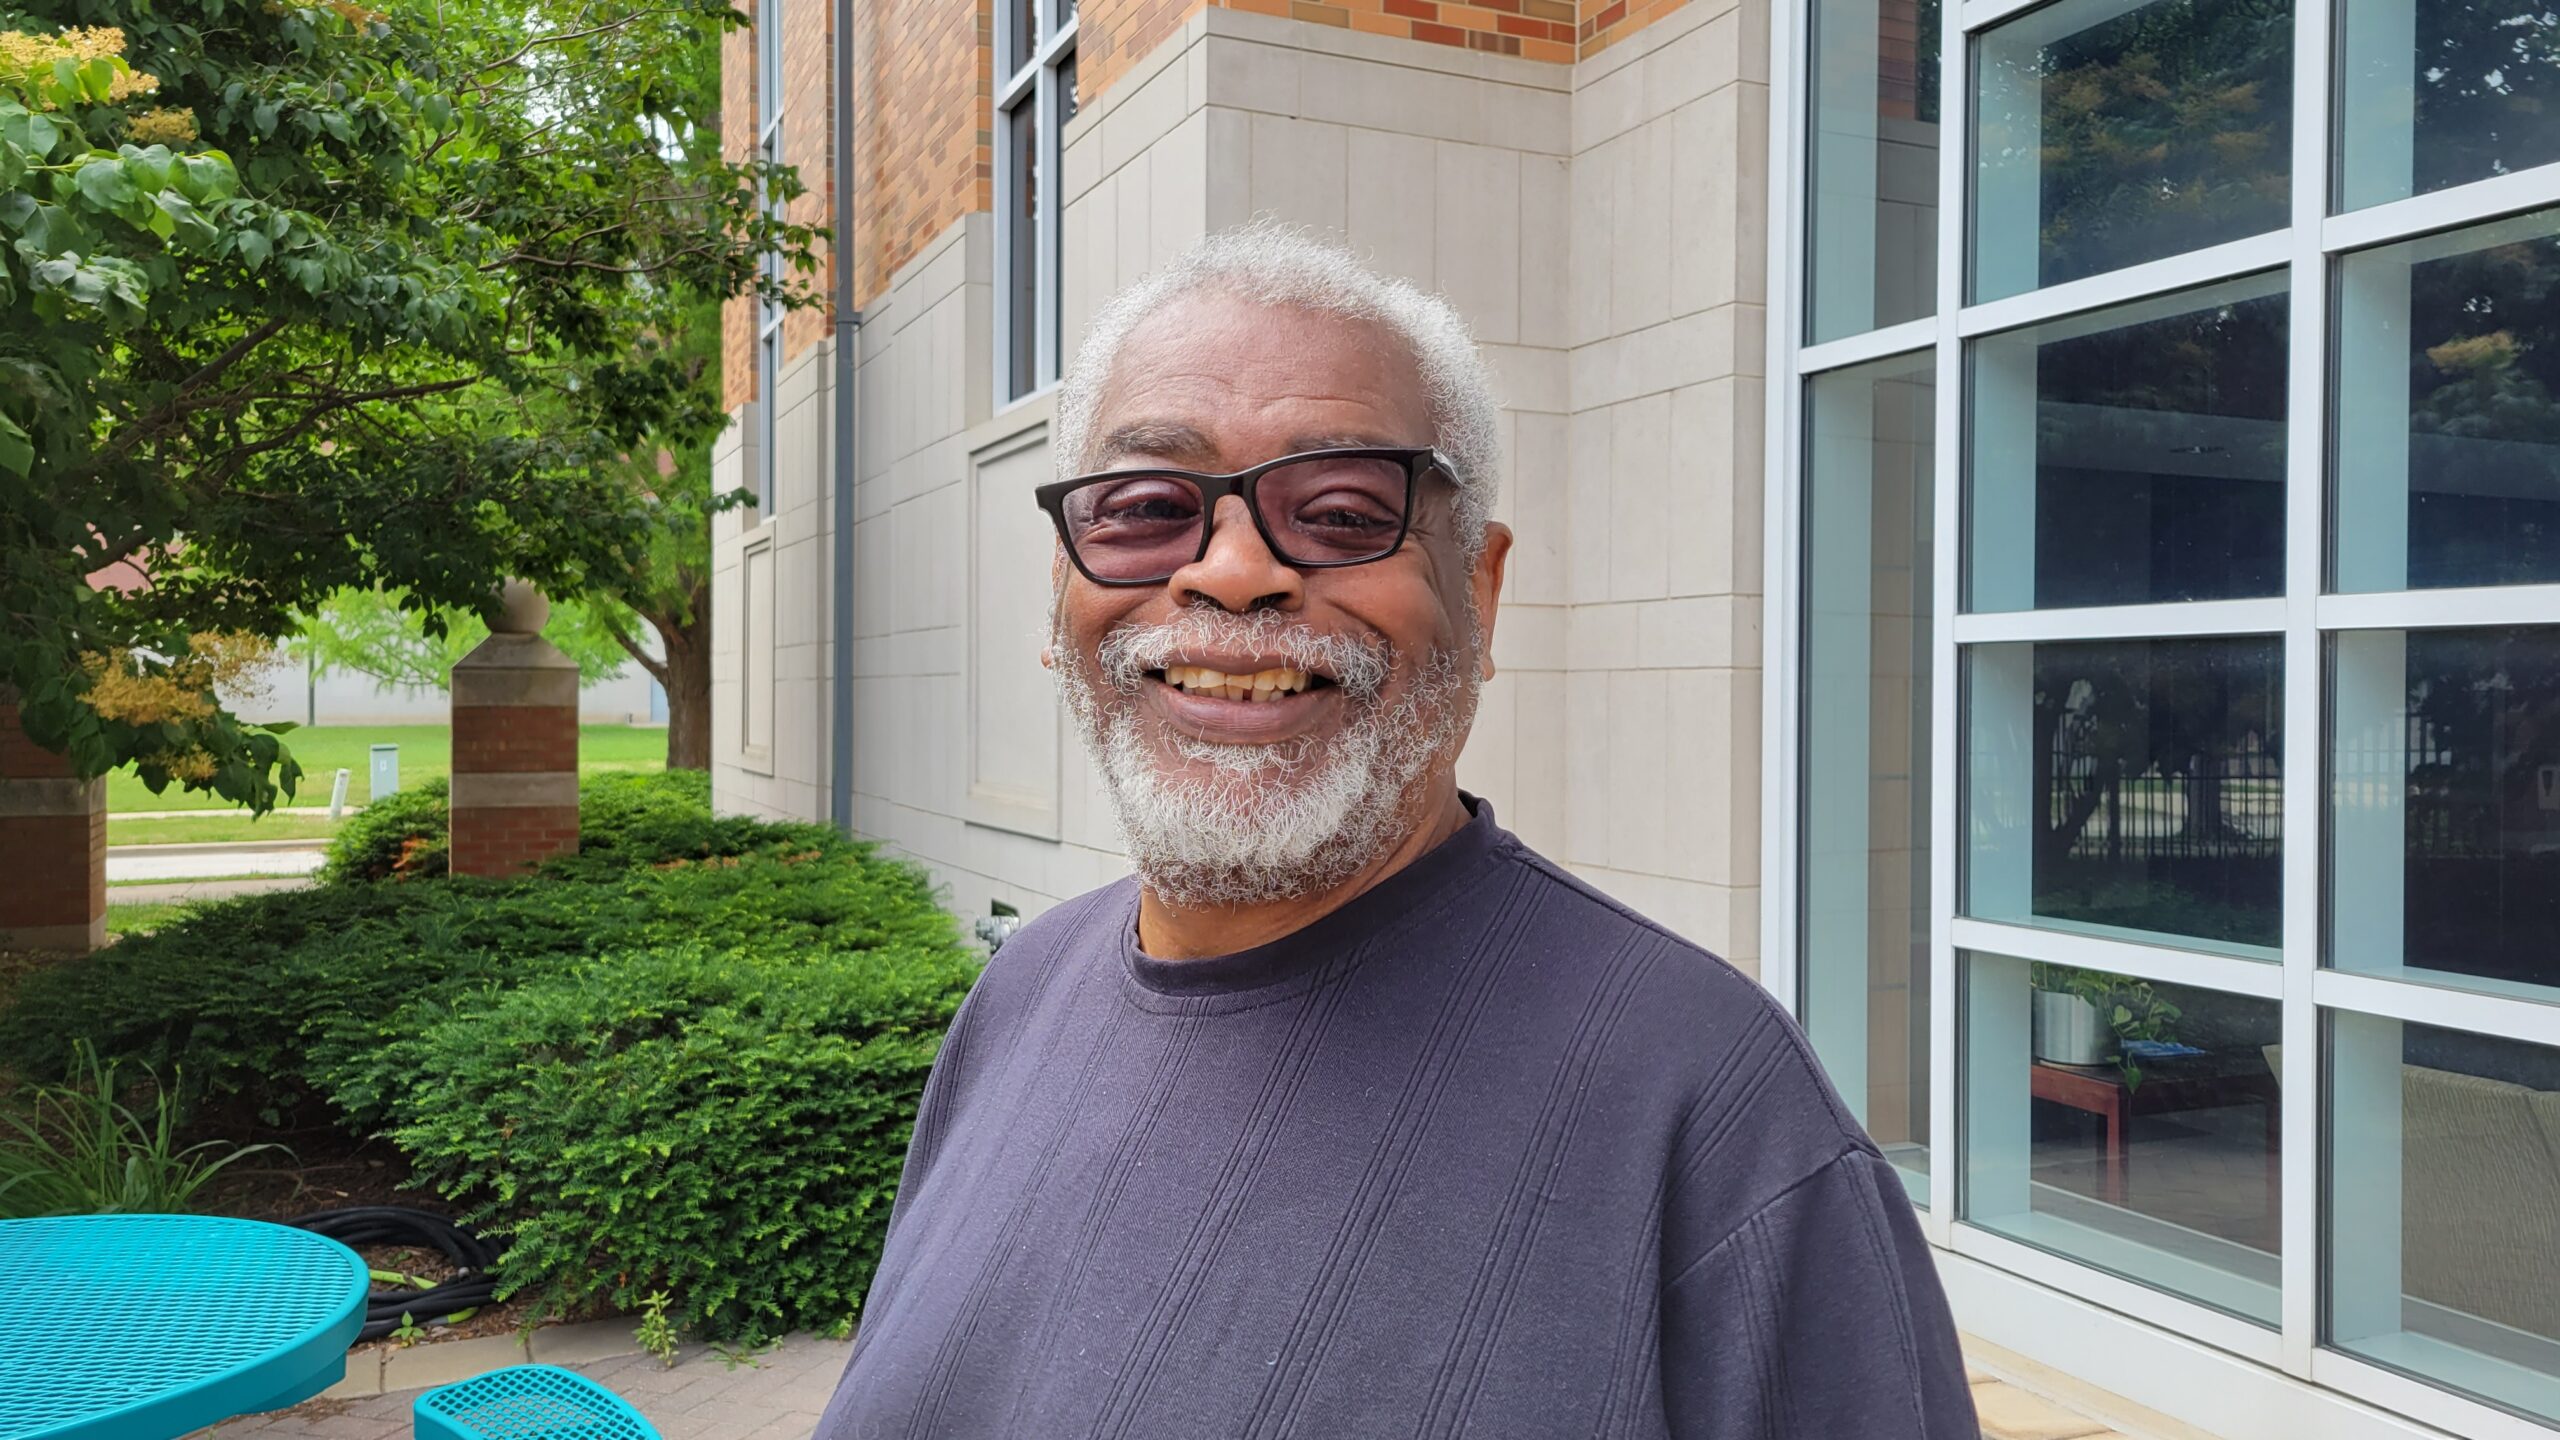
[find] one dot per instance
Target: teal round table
(149, 1327)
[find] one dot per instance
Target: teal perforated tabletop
(147, 1327)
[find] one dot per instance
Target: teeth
(1260, 686)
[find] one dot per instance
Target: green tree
(372, 633)
(385, 303)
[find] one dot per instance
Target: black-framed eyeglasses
(1318, 510)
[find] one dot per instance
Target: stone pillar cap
(522, 610)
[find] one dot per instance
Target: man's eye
(1139, 505)
(1344, 513)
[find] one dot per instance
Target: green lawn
(426, 753)
(143, 919)
(217, 828)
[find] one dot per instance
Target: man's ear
(1484, 581)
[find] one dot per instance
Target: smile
(1258, 687)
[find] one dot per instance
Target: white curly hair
(1269, 263)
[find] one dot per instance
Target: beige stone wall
(1661, 744)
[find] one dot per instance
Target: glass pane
(2444, 851)
(1872, 235)
(2128, 788)
(2127, 1124)
(2443, 93)
(1022, 242)
(2447, 438)
(1868, 480)
(2444, 1208)
(2132, 455)
(1068, 100)
(2108, 134)
(1022, 33)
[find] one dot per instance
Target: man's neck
(1169, 933)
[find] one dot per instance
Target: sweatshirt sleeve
(1818, 1317)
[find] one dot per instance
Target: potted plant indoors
(2082, 1017)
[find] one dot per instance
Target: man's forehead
(1194, 374)
(1182, 442)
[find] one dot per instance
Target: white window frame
(1037, 83)
(2308, 248)
(771, 105)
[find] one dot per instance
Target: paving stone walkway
(780, 1394)
(776, 1395)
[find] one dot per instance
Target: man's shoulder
(1750, 1090)
(1607, 932)
(1038, 956)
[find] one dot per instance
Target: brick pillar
(515, 744)
(53, 846)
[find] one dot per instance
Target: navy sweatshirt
(1480, 1154)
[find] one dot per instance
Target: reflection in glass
(1025, 34)
(2107, 135)
(2448, 429)
(1022, 362)
(1866, 832)
(2129, 788)
(2445, 806)
(2126, 1123)
(2444, 1207)
(1873, 182)
(2132, 455)
(2444, 93)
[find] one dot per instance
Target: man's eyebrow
(1343, 441)
(1163, 439)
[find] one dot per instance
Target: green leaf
(254, 248)
(104, 184)
(17, 452)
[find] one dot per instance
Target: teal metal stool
(527, 1402)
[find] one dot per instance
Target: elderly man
(1349, 1115)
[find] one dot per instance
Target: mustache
(1360, 667)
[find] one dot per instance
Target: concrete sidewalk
(779, 1395)
(775, 1395)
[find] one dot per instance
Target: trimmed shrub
(687, 1058)
(403, 836)
(726, 1128)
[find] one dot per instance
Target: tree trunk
(687, 647)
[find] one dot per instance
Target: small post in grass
(515, 744)
(338, 796)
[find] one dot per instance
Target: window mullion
(1012, 90)
(1947, 1160)
(1045, 236)
(2300, 1243)
(2441, 210)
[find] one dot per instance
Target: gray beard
(1268, 822)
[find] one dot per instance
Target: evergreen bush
(726, 1128)
(685, 1059)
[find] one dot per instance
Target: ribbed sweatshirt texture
(1480, 1154)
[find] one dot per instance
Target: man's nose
(1239, 573)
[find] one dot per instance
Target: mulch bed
(329, 1171)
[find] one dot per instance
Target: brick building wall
(808, 137)
(927, 104)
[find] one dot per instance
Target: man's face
(1232, 794)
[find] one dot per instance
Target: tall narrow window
(1035, 98)
(1871, 438)
(769, 314)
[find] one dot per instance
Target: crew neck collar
(1303, 952)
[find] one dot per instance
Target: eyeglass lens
(1145, 525)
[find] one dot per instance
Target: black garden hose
(471, 1255)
